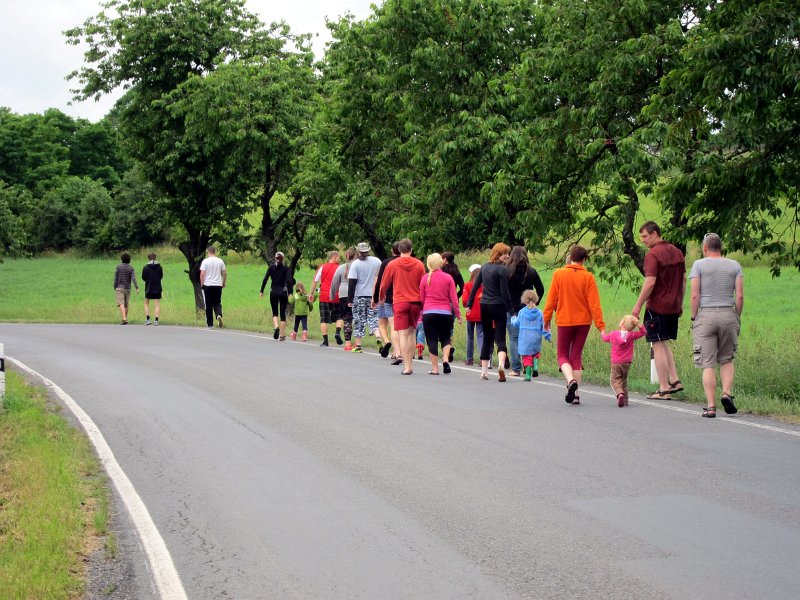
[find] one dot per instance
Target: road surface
(284, 470)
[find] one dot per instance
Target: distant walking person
(302, 306)
(575, 299)
(717, 288)
(278, 294)
(437, 291)
(451, 268)
(521, 276)
(152, 274)
(622, 355)
(361, 282)
(663, 290)
(213, 276)
(388, 335)
(403, 276)
(474, 326)
(322, 284)
(495, 305)
(124, 276)
(339, 287)
(530, 322)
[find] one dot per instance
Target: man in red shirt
(322, 282)
(663, 291)
(403, 275)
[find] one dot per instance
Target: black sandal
(675, 386)
(728, 405)
(659, 395)
(572, 387)
(710, 412)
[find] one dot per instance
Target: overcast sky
(34, 58)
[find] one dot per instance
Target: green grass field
(69, 289)
(54, 501)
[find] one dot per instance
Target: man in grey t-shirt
(717, 287)
(361, 279)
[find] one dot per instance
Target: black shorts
(344, 312)
(327, 312)
(152, 295)
(660, 328)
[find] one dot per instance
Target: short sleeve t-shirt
(325, 277)
(717, 281)
(667, 264)
(213, 268)
(365, 272)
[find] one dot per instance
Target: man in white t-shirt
(213, 276)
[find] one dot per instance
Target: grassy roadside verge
(54, 500)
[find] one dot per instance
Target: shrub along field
(69, 289)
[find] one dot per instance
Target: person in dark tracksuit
(152, 274)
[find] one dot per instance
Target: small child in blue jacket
(531, 331)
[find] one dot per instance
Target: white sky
(34, 58)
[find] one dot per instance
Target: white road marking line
(674, 408)
(165, 576)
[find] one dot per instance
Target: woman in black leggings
(278, 294)
(495, 305)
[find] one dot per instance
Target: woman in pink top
(437, 291)
(622, 355)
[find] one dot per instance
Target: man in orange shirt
(403, 275)
(575, 299)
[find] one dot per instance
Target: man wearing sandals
(663, 290)
(717, 288)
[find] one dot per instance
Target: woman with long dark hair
(495, 305)
(521, 276)
(278, 294)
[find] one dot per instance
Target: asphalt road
(283, 470)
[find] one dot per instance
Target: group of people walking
(406, 304)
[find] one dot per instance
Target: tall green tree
(733, 106)
(33, 152)
(251, 114)
(152, 48)
(585, 148)
(16, 204)
(413, 108)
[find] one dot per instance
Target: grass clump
(54, 501)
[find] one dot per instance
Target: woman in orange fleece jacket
(575, 299)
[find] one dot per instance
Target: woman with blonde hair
(495, 305)
(437, 291)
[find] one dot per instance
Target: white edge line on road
(672, 407)
(164, 574)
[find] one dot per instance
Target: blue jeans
(513, 342)
(472, 329)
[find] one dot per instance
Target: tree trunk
(629, 244)
(194, 250)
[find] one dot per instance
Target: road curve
(283, 470)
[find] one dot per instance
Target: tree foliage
(174, 118)
(732, 103)
(455, 122)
